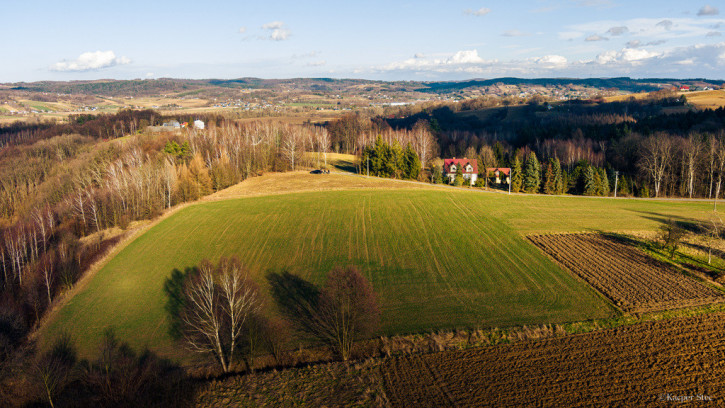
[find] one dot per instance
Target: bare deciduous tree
(656, 154)
(54, 369)
(348, 309)
(691, 153)
(323, 142)
(342, 311)
(292, 145)
(218, 300)
(711, 230)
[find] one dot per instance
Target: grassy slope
(436, 258)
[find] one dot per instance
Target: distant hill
(147, 87)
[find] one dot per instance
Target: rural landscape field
(379, 204)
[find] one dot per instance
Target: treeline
(658, 145)
(384, 160)
(97, 126)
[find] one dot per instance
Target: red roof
(461, 162)
(504, 170)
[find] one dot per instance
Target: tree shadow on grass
(174, 290)
(296, 298)
(688, 224)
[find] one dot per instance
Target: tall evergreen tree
(549, 179)
(517, 176)
(623, 187)
(605, 182)
(558, 177)
(411, 163)
(532, 177)
(590, 183)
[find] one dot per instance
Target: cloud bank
(90, 61)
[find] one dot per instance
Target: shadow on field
(688, 224)
(344, 165)
(173, 288)
(296, 298)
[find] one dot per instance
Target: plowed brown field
(658, 363)
(631, 279)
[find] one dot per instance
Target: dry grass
(700, 99)
(357, 384)
(706, 99)
(303, 181)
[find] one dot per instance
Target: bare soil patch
(651, 364)
(632, 280)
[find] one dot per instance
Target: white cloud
(280, 34)
(419, 55)
(478, 13)
(646, 30)
(457, 60)
(666, 24)
(514, 33)
(619, 30)
(278, 31)
(469, 63)
(625, 56)
(316, 63)
(713, 34)
(686, 61)
(708, 10)
(551, 61)
(242, 30)
(273, 25)
(596, 37)
(89, 61)
(465, 57)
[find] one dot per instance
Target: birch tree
(218, 301)
(691, 152)
(656, 152)
(323, 142)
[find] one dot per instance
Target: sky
(372, 39)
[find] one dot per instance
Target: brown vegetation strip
(631, 279)
(642, 365)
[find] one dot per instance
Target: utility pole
(368, 166)
(511, 177)
(616, 179)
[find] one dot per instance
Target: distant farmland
(437, 258)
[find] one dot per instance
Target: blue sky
(420, 40)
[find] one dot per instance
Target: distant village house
(468, 167)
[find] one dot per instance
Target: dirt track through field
(631, 279)
(649, 364)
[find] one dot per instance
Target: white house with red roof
(468, 167)
(500, 173)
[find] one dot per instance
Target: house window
(469, 168)
(453, 168)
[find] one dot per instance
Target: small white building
(198, 124)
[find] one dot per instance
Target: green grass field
(437, 258)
